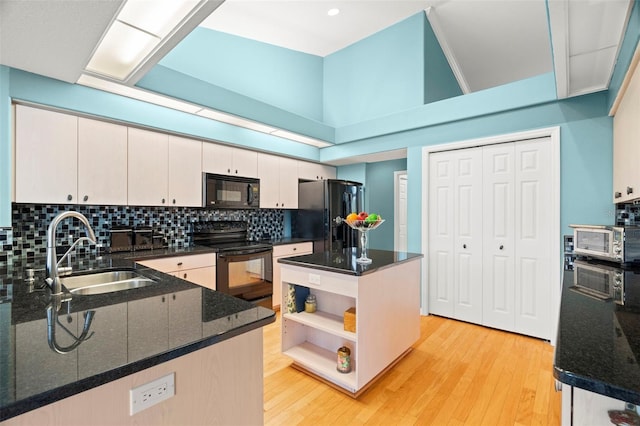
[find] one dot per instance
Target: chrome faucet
(53, 264)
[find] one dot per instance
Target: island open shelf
(387, 302)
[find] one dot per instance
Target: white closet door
(467, 225)
(498, 236)
(533, 222)
(441, 233)
(455, 229)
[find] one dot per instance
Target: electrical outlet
(144, 396)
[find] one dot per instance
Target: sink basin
(104, 282)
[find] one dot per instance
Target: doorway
(400, 211)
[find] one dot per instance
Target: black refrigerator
(319, 204)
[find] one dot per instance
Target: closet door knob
(501, 246)
(464, 246)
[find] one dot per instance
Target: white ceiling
(487, 42)
(494, 42)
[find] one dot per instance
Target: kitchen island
(381, 330)
(598, 345)
(53, 373)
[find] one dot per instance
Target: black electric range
(244, 268)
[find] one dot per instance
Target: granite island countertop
(129, 330)
(598, 343)
(344, 261)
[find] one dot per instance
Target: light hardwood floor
(456, 374)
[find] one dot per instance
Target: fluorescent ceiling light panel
(299, 138)
(236, 121)
(140, 28)
(157, 17)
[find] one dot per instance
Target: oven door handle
(243, 253)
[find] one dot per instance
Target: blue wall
(380, 195)
(284, 78)
(381, 74)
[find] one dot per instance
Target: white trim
(434, 21)
(396, 210)
(559, 27)
(556, 261)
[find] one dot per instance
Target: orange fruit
(352, 217)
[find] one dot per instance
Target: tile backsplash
(28, 235)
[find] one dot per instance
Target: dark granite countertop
(179, 318)
(598, 343)
(344, 262)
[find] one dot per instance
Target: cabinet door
(245, 162)
(315, 171)
(216, 158)
(288, 183)
(147, 327)
(185, 317)
(205, 277)
(148, 168)
(46, 149)
(499, 241)
(269, 175)
(185, 172)
(102, 163)
(626, 131)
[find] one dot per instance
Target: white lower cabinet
(196, 268)
(490, 236)
(584, 408)
(282, 251)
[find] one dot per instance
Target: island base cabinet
(387, 305)
(221, 384)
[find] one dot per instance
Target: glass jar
(344, 359)
(310, 304)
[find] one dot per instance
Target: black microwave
(230, 192)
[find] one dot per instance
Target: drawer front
(343, 284)
(179, 263)
(293, 249)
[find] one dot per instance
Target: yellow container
(350, 320)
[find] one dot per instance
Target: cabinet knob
(464, 246)
(69, 197)
(162, 299)
(174, 297)
(174, 201)
(618, 194)
(163, 201)
(501, 246)
(236, 171)
(185, 275)
(85, 198)
(179, 263)
(295, 248)
(228, 170)
(629, 190)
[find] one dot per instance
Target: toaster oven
(619, 244)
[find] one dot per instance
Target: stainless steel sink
(104, 282)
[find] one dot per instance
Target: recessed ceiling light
(333, 12)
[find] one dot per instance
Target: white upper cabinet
(46, 146)
(626, 131)
(102, 163)
(185, 176)
(315, 171)
(278, 182)
(148, 168)
(225, 160)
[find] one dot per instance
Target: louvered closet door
(455, 229)
(498, 237)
